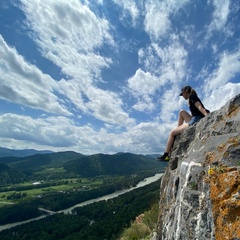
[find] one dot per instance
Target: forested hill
(103, 164)
(33, 162)
(77, 165)
(8, 175)
(6, 152)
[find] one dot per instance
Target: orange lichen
(210, 156)
(234, 140)
(221, 147)
(225, 198)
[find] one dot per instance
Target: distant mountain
(38, 162)
(10, 176)
(153, 155)
(5, 152)
(120, 163)
(74, 164)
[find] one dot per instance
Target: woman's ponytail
(193, 92)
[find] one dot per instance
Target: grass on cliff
(143, 227)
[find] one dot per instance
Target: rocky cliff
(200, 189)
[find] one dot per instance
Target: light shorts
(194, 120)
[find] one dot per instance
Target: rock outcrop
(200, 189)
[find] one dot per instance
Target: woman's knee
(185, 115)
(182, 111)
(173, 133)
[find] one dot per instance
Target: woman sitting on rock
(197, 110)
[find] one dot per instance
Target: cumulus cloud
(118, 89)
(143, 136)
(169, 64)
(222, 83)
(143, 86)
(60, 133)
(143, 83)
(49, 131)
(107, 106)
(221, 95)
(158, 17)
(25, 84)
(70, 35)
(53, 133)
(173, 61)
(228, 67)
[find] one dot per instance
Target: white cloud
(170, 103)
(173, 61)
(53, 133)
(143, 83)
(157, 19)
(228, 68)
(68, 33)
(150, 136)
(48, 131)
(143, 86)
(222, 84)
(107, 106)
(149, 59)
(221, 95)
(61, 133)
(24, 84)
(220, 14)
(144, 104)
(168, 61)
(168, 67)
(129, 7)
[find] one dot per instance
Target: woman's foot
(164, 157)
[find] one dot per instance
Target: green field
(17, 193)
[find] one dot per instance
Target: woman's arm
(200, 108)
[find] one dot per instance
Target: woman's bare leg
(172, 135)
(183, 116)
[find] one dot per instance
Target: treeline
(61, 200)
(10, 176)
(74, 165)
(102, 220)
(18, 213)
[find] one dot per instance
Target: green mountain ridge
(6, 152)
(10, 176)
(36, 162)
(72, 164)
(103, 164)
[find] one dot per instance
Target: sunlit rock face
(200, 189)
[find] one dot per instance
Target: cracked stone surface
(200, 190)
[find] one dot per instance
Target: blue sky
(105, 75)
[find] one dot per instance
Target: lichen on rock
(200, 190)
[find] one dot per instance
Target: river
(143, 183)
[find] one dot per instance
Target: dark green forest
(71, 164)
(55, 201)
(102, 220)
(56, 181)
